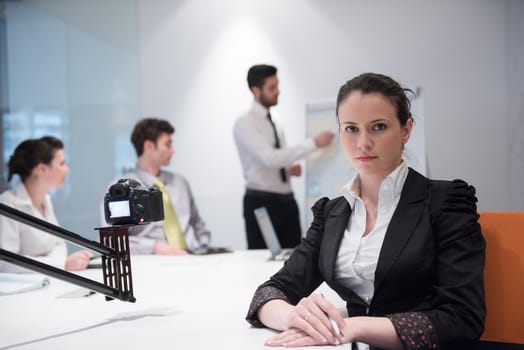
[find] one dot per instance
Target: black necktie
(283, 174)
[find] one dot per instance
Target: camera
(128, 202)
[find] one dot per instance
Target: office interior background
(86, 71)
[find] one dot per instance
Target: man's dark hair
(258, 73)
(149, 129)
(29, 153)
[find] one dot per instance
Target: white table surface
(188, 302)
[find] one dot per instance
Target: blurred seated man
(182, 227)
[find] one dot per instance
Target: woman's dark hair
(30, 153)
(382, 84)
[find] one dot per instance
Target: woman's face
(371, 134)
(55, 172)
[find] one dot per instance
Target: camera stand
(114, 248)
(117, 269)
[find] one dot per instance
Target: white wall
(195, 54)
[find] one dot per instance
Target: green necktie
(172, 229)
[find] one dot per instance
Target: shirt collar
(22, 195)
(148, 179)
(390, 188)
(23, 198)
(259, 110)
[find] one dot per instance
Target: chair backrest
(504, 276)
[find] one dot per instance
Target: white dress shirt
(26, 240)
(261, 161)
(358, 255)
(142, 238)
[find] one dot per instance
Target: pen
(334, 325)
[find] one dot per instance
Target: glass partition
(70, 69)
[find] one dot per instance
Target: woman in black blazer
(406, 253)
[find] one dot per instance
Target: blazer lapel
(335, 226)
(403, 223)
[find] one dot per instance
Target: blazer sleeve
(459, 309)
(300, 275)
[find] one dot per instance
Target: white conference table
(183, 302)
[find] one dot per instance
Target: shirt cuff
(415, 330)
(204, 239)
(310, 145)
(262, 296)
(141, 245)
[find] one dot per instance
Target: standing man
(268, 163)
(182, 227)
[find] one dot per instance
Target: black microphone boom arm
(113, 246)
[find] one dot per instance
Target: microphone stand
(113, 246)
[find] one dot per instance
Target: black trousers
(283, 211)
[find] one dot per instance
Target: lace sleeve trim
(262, 296)
(415, 330)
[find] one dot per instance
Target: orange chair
(504, 276)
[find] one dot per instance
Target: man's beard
(264, 101)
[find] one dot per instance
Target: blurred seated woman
(41, 167)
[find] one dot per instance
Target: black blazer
(431, 261)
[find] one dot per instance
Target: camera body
(128, 202)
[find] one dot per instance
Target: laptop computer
(270, 236)
(206, 250)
